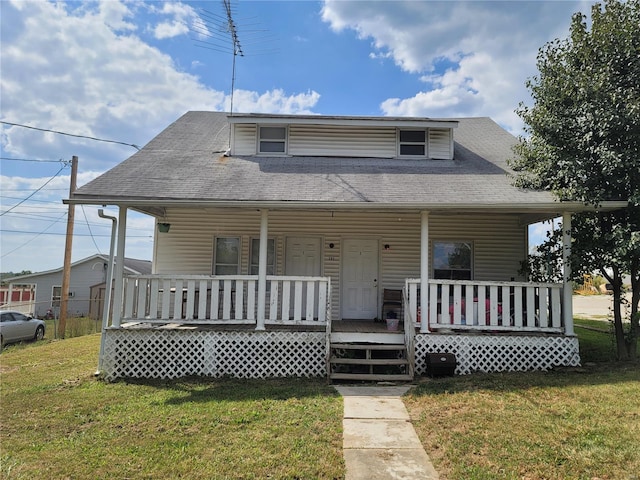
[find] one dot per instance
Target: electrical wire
(70, 134)
(36, 191)
(33, 238)
(30, 160)
(86, 220)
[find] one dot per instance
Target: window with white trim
(254, 259)
(412, 143)
(452, 260)
(272, 140)
(226, 256)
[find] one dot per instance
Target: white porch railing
(487, 306)
(206, 299)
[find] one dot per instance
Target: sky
(120, 72)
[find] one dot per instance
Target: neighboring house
(85, 274)
(18, 297)
(282, 238)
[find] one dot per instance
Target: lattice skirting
(179, 353)
(498, 353)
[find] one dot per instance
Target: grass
(58, 421)
(570, 423)
(75, 327)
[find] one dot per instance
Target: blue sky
(124, 70)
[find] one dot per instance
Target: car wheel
(39, 333)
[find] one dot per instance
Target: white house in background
(85, 274)
(283, 238)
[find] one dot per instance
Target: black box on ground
(441, 364)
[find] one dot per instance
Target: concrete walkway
(379, 440)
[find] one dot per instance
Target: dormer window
(412, 143)
(272, 140)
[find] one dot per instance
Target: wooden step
(375, 377)
(370, 361)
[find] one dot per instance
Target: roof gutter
(570, 207)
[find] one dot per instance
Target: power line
(30, 159)
(71, 134)
(20, 203)
(33, 238)
(75, 234)
(86, 220)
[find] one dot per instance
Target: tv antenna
(220, 33)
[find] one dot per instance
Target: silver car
(16, 326)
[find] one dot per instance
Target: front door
(360, 279)
(303, 259)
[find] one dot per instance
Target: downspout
(109, 286)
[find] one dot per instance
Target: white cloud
(487, 49)
(89, 70)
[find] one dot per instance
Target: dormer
(328, 136)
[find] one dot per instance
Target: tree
(582, 143)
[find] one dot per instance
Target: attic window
(412, 143)
(272, 140)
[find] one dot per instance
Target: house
(86, 275)
(282, 238)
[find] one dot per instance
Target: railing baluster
(286, 300)
(506, 306)
(202, 300)
(543, 307)
(482, 305)
(432, 316)
(297, 305)
(191, 300)
(129, 297)
(517, 306)
(273, 300)
(166, 298)
(531, 307)
(310, 299)
(251, 299)
(556, 316)
(215, 299)
(226, 299)
(322, 302)
(457, 305)
(493, 305)
(177, 301)
(153, 298)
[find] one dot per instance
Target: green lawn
(571, 423)
(58, 421)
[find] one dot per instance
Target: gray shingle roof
(185, 162)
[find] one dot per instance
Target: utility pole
(66, 270)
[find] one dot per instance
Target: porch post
(567, 288)
(262, 268)
(424, 271)
(119, 270)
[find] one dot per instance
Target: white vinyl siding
(343, 141)
(244, 139)
(441, 143)
(499, 241)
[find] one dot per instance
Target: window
(226, 256)
(55, 296)
(255, 256)
(272, 140)
(452, 260)
(412, 143)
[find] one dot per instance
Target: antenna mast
(235, 44)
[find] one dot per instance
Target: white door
(303, 259)
(360, 279)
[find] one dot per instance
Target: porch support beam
(424, 271)
(567, 288)
(119, 270)
(262, 269)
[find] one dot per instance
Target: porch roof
(185, 166)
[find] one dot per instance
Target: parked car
(16, 326)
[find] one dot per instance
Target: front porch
(169, 328)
